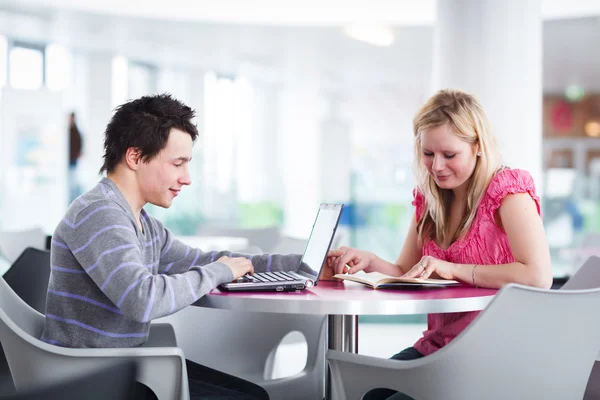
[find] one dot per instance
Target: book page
(375, 278)
(378, 277)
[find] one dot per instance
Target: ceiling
(261, 49)
(289, 12)
(266, 49)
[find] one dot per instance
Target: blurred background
(300, 103)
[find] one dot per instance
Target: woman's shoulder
(510, 181)
(506, 177)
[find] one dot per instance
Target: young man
(115, 268)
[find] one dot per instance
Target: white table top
(349, 298)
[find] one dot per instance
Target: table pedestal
(342, 335)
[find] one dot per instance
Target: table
(216, 243)
(344, 301)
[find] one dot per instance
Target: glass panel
(3, 60)
(26, 68)
(141, 79)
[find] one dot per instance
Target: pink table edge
(349, 298)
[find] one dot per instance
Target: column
(257, 174)
(299, 121)
(493, 49)
(95, 75)
(335, 162)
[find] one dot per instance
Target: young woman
(475, 220)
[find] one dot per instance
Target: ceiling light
(574, 92)
(375, 34)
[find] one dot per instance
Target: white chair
(12, 243)
(588, 277)
(35, 364)
(114, 382)
(244, 345)
(528, 344)
(28, 277)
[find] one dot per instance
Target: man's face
(161, 178)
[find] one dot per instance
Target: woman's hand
(348, 260)
(327, 272)
(428, 265)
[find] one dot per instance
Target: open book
(377, 279)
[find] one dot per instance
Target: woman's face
(449, 160)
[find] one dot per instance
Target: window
(142, 79)
(219, 132)
(131, 80)
(26, 66)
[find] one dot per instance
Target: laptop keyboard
(269, 277)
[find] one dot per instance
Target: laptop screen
(321, 237)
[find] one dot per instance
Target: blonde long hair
(467, 120)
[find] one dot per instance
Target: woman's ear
(133, 158)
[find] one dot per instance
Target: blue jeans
(410, 353)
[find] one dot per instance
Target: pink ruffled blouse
(485, 244)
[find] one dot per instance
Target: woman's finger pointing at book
(429, 265)
(355, 267)
(418, 270)
(428, 268)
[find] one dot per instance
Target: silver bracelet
(473, 275)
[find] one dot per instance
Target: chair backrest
(28, 276)
(586, 277)
(521, 344)
(12, 244)
(18, 323)
(264, 238)
(528, 344)
(244, 344)
(230, 332)
(30, 321)
(36, 364)
(116, 382)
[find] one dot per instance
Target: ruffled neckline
(460, 243)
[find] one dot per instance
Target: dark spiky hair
(145, 123)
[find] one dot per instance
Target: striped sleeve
(104, 241)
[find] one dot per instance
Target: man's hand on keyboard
(239, 266)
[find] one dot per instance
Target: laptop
(312, 261)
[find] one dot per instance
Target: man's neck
(129, 188)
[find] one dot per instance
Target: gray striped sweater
(110, 279)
